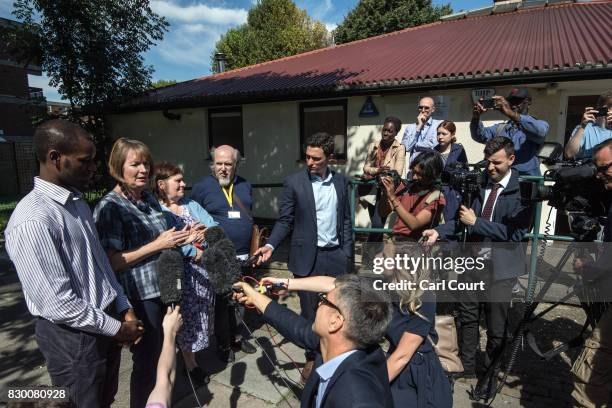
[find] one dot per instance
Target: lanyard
(229, 196)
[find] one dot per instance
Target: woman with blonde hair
(133, 231)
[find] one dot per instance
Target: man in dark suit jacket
(315, 208)
(500, 225)
(351, 368)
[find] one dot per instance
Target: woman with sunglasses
(416, 376)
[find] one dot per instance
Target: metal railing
(535, 237)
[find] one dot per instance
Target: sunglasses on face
(323, 300)
(604, 169)
(425, 108)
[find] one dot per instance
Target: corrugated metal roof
(532, 41)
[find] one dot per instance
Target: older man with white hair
(227, 198)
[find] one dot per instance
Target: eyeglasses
(604, 169)
(425, 108)
(324, 300)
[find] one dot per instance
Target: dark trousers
(328, 262)
(496, 301)
(228, 316)
(87, 364)
(146, 353)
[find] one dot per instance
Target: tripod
(592, 310)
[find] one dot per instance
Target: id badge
(233, 214)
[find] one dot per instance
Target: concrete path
(252, 381)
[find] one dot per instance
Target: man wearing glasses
(350, 367)
(591, 374)
(422, 135)
(526, 132)
(594, 128)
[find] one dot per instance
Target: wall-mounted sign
(368, 109)
(485, 93)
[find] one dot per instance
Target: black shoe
(226, 355)
(246, 346)
(485, 389)
(199, 377)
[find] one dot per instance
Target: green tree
(163, 82)
(374, 17)
(91, 50)
(274, 29)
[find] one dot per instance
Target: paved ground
(252, 381)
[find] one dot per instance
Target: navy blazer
(359, 381)
(511, 220)
(297, 213)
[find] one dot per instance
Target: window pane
(328, 119)
(226, 128)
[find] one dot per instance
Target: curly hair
(323, 140)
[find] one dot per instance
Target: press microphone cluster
(220, 261)
(170, 271)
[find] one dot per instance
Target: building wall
(15, 114)
(271, 132)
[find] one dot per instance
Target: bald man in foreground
(422, 135)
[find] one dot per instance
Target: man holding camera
(496, 215)
(595, 127)
(591, 374)
(526, 132)
(422, 135)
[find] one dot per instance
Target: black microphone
(170, 272)
(220, 262)
(214, 235)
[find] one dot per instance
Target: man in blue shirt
(526, 132)
(314, 207)
(593, 129)
(227, 198)
(422, 135)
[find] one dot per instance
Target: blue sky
(195, 26)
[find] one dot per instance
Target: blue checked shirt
(122, 227)
(64, 271)
(527, 136)
(425, 138)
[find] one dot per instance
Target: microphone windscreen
(214, 235)
(170, 271)
(222, 266)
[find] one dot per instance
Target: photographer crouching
(350, 367)
(591, 370)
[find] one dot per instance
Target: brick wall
(9, 184)
(14, 81)
(27, 165)
(16, 120)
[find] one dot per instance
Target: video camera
(467, 182)
(575, 191)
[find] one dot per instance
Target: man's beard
(224, 181)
